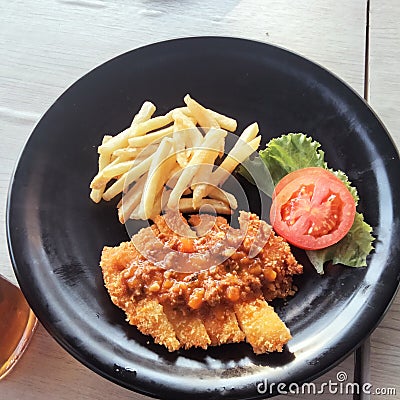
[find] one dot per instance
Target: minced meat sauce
(212, 263)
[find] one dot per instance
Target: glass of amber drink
(17, 324)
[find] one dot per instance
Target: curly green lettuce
(291, 152)
(352, 250)
(294, 151)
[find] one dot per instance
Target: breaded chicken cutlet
(153, 278)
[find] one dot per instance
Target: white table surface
(46, 45)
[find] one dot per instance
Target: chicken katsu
(199, 282)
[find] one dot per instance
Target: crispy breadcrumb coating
(222, 304)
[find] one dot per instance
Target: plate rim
(48, 326)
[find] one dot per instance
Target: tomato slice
(312, 208)
(316, 171)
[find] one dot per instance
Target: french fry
(202, 155)
(186, 206)
(213, 192)
(131, 199)
(162, 161)
(156, 210)
(115, 189)
(202, 176)
(117, 169)
(221, 120)
(127, 178)
(180, 148)
(150, 125)
(104, 160)
(114, 169)
(121, 140)
(186, 134)
(145, 140)
(200, 182)
(235, 157)
(182, 135)
(193, 139)
(122, 157)
(173, 178)
(222, 195)
(118, 141)
(182, 121)
(145, 113)
(250, 132)
(134, 152)
(169, 154)
(100, 180)
(175, 172)
(203, 116)
(136, 213)
(198, 191)
(196, 138)
(183, 110)
(224, 122)
(243, 148)
(129, 152)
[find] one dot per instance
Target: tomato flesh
(313, 210)
(315, 171)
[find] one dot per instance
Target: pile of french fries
(168, 162)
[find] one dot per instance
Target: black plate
(56, 233)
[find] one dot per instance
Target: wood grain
(384, 97)
(46, 46)
(384, 64)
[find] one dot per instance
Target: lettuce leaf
(294, 151)
(352, 250)
(343, 177)
(290, 152)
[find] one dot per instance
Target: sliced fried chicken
(225, 303)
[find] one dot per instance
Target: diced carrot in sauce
(186, 245)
